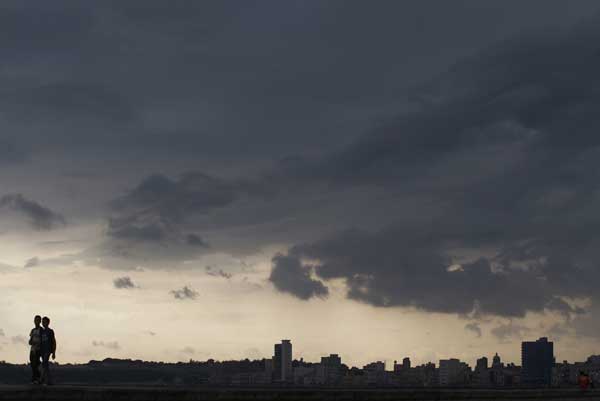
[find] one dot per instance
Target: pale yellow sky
(235, 318)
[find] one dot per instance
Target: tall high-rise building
(406, 363)
(277, 363)
(282, 362)
(537, 361)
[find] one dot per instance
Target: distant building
(537, 360)
(512, 375)
(304, 375)
(404, 366)
(375, 373)
(497, 372)
(378, 366)
(269, 370)
(482, 375)
(453, 372)
(427, 375)
(482, 364)
(561, 375)
(566, 374)
(496, 362)
(333, 360)
(282, 362)
(329, 370)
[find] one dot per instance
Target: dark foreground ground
(97, 393)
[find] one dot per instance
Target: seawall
(98, 393)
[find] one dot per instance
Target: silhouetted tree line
(127, 371)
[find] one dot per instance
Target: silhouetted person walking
(48, 348)
(35, 340)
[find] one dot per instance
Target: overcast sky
(383, 179)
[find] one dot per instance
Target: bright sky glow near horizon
(192, 180)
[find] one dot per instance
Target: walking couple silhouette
(43, 346)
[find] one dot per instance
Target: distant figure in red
(583, 381)
(48, 348)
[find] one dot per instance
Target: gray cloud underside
(40, 217)
(508, 152)
(493, 165)
(288, 275)
(503, 152)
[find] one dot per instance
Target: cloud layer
(39, 217)
(507, 154)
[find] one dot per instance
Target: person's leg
(34, 359)
(33, 365)
(45, 368)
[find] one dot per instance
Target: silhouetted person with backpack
(48, 348)
(35, 354)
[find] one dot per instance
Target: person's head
(46, 321)
(37, 320)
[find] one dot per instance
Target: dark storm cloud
(228, 78)
(131, 228)
(40, 217)
(486, 151)
(196, 240)
(395, 267)
(474, 328)
(152, 218)
(289, 275)
(508, 151)
(184, 293)
(174, 200)
(306, 104)
(123, 282)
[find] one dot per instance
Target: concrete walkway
(98, 393)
